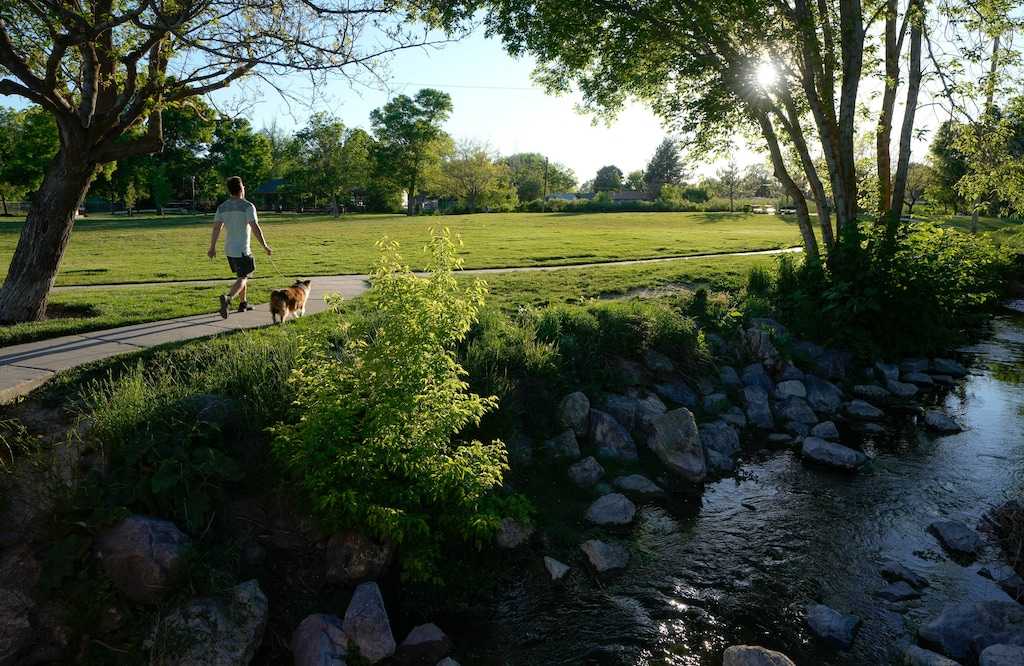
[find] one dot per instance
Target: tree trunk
(3, 199)
(803, 216)
(44, 237)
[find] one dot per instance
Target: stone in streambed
(871, 392)
(638, 486)
(791, 388)
(556, 569)
(918, 656)
(863, 411)
(605, 556)
(832, 626)
(586, 472)
(610, 439)
(823, 396)
(898, 591)
(366, 624)
(612, 509)
(563, 446)
(956, 537)
(893, 572)
(675, 441)
(750, 655)
(963, 630)
(825, 430)
(947, 366)
(938, 421)
(796, 410)
(902, 390)
(759, 411)
(1002, 655)
(832, 454)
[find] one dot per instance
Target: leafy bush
(375, 442)
(917, 294)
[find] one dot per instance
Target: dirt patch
(71, 311)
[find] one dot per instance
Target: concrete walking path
(27, 366)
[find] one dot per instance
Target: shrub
(374, 444)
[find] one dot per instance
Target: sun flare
(766, 75)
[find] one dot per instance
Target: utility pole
(193, 194)
(544, 200)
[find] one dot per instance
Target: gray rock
(447, 661)
(797, 429)
(658, 363)
(638, 486)
(759, 411)
(825, 430)
(1006, 578)
(716, 403)
(935, 419)
(871, 392)
(755, 375)
(824, 397)
(556, 569)
(832, 626)
(750, 655)
(630, 372)
(612, 509)
(863, 411)
(832, 454)
(901, 390)
(718, 463)
(366, 624)
(512, 534)
(353, 558)
(869, 428)
(780, 439)
(574, 413)
(563, 446)
(735, 417)
(807, 352)
(956, 537)
(833, 364)
(674, 439)
(16, 631)
(520, 450)
(319, 641)
(678, 393)
(1002, 655)
(143, 557)
(586, 472)
(222, 631)
(648, 408)
(947, 366)
(898, 591)
(610, 439)
(796, 409)
(918, 379)
(719, 436)
(887, 372)
(943, 380)
(918, 656)
(621, 408)
(790, 371)
(425, 644)
(963, 630)
(893, 571)
(729, 377)
(909, 365)
(791, 388)
(759, 342)
(605, 556)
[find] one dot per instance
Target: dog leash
(271, 258)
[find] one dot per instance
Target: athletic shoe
(244, 306)
(224, 303)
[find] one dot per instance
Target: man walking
(239, 216)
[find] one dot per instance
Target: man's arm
(258, 231)
(212, 252)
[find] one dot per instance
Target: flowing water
(740, 565)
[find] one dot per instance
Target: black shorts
(242, 266)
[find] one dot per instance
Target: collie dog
(290, 301)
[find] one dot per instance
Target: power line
(467, 86)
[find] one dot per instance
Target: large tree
(28, 139)
(729, 179)
(104, 68)
(608, 179)
(665, 168)
(474, 176)
(408, 130)
(533, 174)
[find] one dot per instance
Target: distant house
(271, 193)
(562, 196)
(629, 197)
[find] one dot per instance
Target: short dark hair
(235, 185)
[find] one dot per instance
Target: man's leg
(238, 288)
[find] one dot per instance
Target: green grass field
(105, 250)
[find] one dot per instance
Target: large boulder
(823, 396)
(586, 472)
(863, 411)
(605, 556)
(574, 413)
(830, 625)
(1002, 655)
(512, 534)
(919, 379)
(755, 375)
(937, 420)
(611, 509)
(759, 411)
(871, 392)
(638, 486)
(215, 631)
(833, 364)
(143, 557)
(901, 390)
(759, 343)
(674, 439)
(716, 403)
(887, 371)
(790, 372)
(963, 630)
(352, 558)
(319, 641)
(947, 366)
(790, 388)
(610, 439)
(425, 644)
(914, 655)
(894, 571)
(634, 413)
(677, 392)
(956, 537)
(911, 365)
(825, 430)
(367, 626)
(735, 417)
(563, 446)
(832, 454)
(729, 377)
(658, 363)
(750, 655)
(719, 436)
(797, 410)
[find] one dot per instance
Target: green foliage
(608, 179)
(917, 294)
(527, 172)
(665, 167)
(377, 442)
(28, 141)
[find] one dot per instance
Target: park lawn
(107, 250)
(97, 308)
(94, 309)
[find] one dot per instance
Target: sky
(495, 102)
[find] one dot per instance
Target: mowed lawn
(107, 250)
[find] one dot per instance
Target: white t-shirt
(236, 214)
